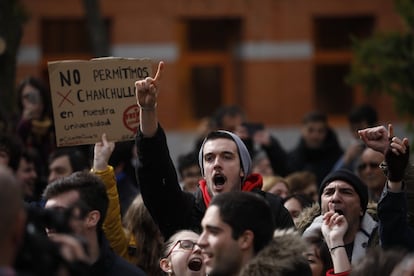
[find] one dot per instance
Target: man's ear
(93, 218)
(242, 174)
(246, 240)
(165, 265)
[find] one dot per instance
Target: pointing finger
(104, 139)
(157, 77)
(390, 131)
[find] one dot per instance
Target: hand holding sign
(147, 90)
(91, 97)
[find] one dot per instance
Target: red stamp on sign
(131, 118)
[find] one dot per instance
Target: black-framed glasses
(372, 165)
(184, 244)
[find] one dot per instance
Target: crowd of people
(238, 203)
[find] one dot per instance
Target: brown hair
(148, 237)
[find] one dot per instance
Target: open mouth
(195, 264)
(219, 179)
(339, 211)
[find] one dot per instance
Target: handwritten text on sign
(94, 97)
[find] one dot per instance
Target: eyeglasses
(184, 244)
(372, 165)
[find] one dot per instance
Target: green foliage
(384, 63)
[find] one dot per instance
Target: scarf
(253, 181)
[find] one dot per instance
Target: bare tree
(97, 28)
(12, 18)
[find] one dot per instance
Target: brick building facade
(276, 58)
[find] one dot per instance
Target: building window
(65, 36)
(333, 55)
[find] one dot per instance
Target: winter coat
(174, 209)
(367, 236)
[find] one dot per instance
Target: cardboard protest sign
(91, 97)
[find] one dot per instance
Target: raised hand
(334, 227)
(376, 137)
(102, 153)
(147, 90)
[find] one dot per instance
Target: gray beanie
(245, 160)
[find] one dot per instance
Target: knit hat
(245, 159)
(351, 179)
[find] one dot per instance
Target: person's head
(283, 256)
(12, 216)
(189, 171)
(236, 226)
(82, 190)
(64, 161)
(229, 117)
(303, 182)
(33, 94)
(276, 185)
(148, 237)
(348, 194)
(26, 173)
(314, 129)
(378, 261)
(261, 165)
(10, 151)
(224, 161)
(182, 256)
(361, 117)
(370, 172)
(317, 253)
(295, 204)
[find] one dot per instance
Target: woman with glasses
(182, 255)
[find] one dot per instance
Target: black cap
(350, 178)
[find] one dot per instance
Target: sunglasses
(184, 244)
(372, 165)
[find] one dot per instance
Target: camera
(41, 218)
(38, 255)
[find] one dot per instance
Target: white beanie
(245, 159)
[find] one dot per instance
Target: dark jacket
(277, 156)
(394, 230)
(319, 161)
(173, 209)
(111, 264)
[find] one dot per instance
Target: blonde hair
(270, 181)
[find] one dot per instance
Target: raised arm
(395, 150)
(392, 207)
(112, 225)
(146, 94)
(333, 229)
(169, 206)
